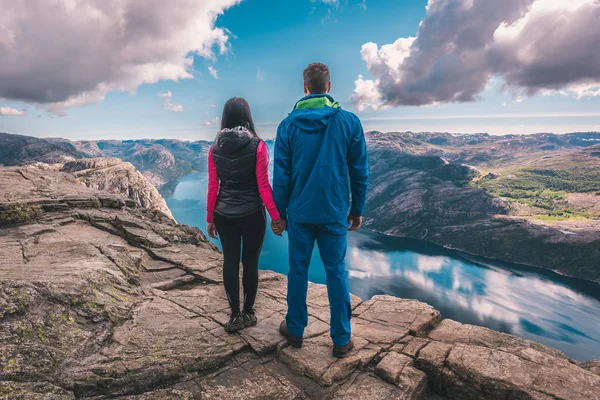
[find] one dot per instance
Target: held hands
(212, 230)
(354, 223)
(279, 226)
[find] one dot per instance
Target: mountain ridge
(529, 199)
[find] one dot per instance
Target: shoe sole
(233, 329)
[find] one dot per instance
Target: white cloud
(9, 111)
(100, 46)
(212, 122)
(367, 264)
(213, 72)
(430, 263)
(259, 74)
(533, 46)
(367, 94)
(168, 103)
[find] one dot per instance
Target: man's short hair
(317, 78)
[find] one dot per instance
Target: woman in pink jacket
(238, 192)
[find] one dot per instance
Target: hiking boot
(294, 341)
(249, 318)
(235, 323)
(342, 351)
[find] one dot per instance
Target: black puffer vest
(234, 154)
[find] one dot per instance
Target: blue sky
(269, 45)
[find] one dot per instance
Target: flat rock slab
(399, 370)
(315, 359)
(31, 184)
(242, 383)
(33, 391)
(162, 342)
(245, 377)
(385, 320)
(414, 346)
(163, 394)
(152, 277)
(202, 262)
(473, 372)
(368, 387)
(144, 237)
(174, 283)
(592, 366)
(449, 331)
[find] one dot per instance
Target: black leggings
(250, 231)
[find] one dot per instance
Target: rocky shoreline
(102, 299)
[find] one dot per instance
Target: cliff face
(101, 299)
(518, 215)
(115, 176)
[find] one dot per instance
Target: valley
(528, 199)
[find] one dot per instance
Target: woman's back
(234, 154)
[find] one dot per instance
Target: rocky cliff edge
(101, 299)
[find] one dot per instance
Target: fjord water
(532, 303)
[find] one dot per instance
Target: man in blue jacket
(320, 160)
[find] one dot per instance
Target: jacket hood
(232, 140)
(312, 113)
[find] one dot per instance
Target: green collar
(316, 102)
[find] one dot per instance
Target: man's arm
(282, 170)
(358, 167)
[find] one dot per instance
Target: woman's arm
(213, 188)
(262, 176)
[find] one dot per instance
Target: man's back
(320, 155)
(320, 159)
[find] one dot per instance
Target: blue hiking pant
(331, 239)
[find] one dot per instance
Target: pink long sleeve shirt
(262, 177)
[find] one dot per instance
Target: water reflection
(532, 303)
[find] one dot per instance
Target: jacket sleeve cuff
(356, 212)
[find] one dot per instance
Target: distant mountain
(161, 161)
(528, 199)
(19, 150)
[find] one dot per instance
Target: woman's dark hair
(236, 112)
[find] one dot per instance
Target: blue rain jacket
(320, 160)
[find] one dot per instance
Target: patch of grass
(18, 213)
(562, 217)
(545, 190)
